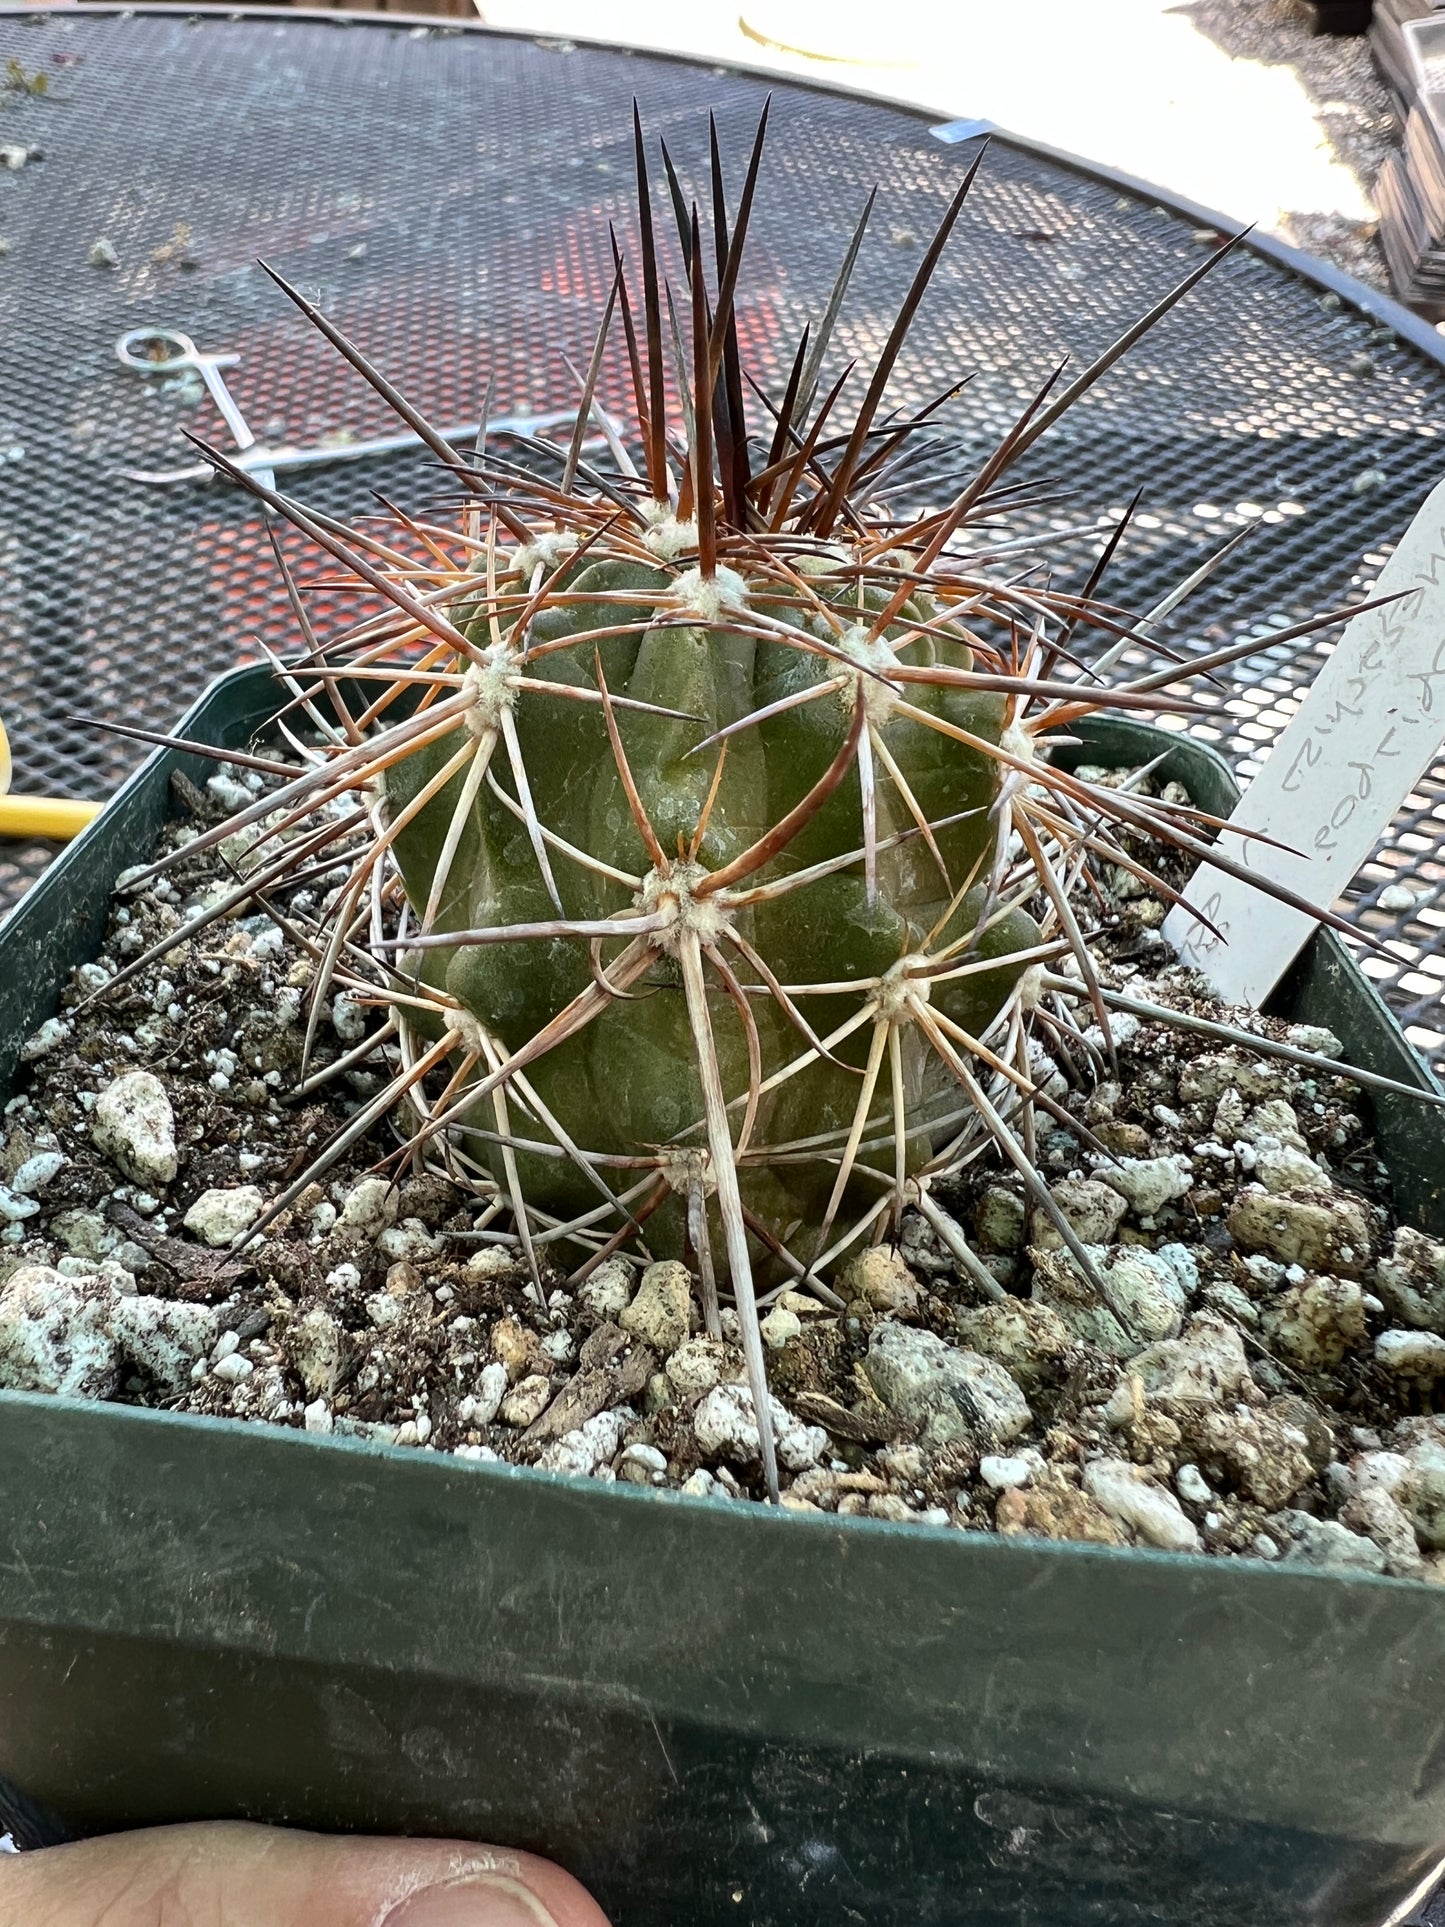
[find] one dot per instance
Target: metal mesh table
(445, 193)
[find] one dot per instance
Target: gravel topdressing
(1260, 1383)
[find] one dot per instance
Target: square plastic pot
(712, 1714)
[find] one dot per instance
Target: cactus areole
(707, 870)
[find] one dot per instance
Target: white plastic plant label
(1364, 735)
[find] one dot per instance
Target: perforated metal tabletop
(445, 192)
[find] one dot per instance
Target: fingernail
(482, 1900)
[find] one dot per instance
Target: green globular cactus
(745, 725)
(706, 853)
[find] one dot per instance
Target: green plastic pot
(710, 1713)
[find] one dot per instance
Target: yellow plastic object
(54, 817)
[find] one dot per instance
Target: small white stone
(951, 1393)
(15, 1210)
(1411, 1354)
(1153, 1512)
(1235, 1304)
(881, 1278)
(348, 1018)
(1396, 898)
(233, 1369)
(37, 1172)
(779, 1327)
(1147, 1184)
(1183, 1263)
(409, 1240)
(220, 1216)
(1284, 1167)
(1315, 1324)
(702, 1362)
(230, 794)
(647, 1459)
(581, 1452)
(317, 1349)
(608, 1292)
(383, 1310)
(318, 1417)
(1206, 1366)
(228, 1342)
(1122, 1028)
(1314, 1037)
(526, 1401)
(1091, 1209)
(485, 1402)
(483, 1453)
(165, 1337)
(1003, 1474)
(488, 1264)
(1190, 1484)
(367, 1208)
(55, 1336)
(726, 1427)
(52, 1032)
(702, 1485)
(133, 1123)
(1146, 1300)
(1325, 1543)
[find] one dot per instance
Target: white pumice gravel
(219, 1216)
(1257, 1378)
(133, 1123)
(1412, 1354)
(1147, 1184)
(1135, 1500)
(609, 1289)
(36, 1173)
(726, 1427)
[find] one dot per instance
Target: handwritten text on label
(1365, 733)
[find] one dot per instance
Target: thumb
(235, 1875)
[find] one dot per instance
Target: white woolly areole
(1020, 742)
(668, 537)
(547, 550)
(473, 1037)
(669, 895)
(875, 655)
(491, 687)
(898, 994)
(709, 596)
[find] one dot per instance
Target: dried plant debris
(1256, 1378)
